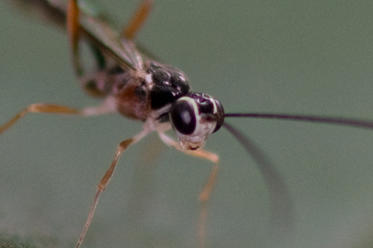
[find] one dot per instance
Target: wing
(124, 52)
(94, 27)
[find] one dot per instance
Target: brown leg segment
(137, 20)
(101, 187)
(143, 181)
(106, 179)
(106, 107)
(205, 194)
(72, 23)
(39, 108)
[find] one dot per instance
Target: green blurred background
(312, 57)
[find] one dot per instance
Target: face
(194, 117)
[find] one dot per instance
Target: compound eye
(183, 117)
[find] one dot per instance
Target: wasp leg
(105, 181)
(205, 194)
(73, 30)
(137, 20)
(142, 186)
(107, 106)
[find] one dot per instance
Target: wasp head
(195, 116)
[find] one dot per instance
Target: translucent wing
(121, 50)
(94, 28)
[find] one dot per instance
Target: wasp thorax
(195, 116)
(169, 84)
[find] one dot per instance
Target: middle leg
(108, 106)
(105, 181)
(205, 194)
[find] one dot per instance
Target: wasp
(132, 83)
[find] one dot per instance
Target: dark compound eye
(183, 117)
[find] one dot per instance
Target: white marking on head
(203, 127)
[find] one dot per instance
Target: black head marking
(210, 108)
